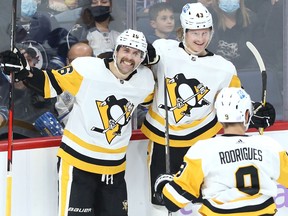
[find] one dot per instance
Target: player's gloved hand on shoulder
(14, 61)
(151, 57)
(264, 116)
(160, 182)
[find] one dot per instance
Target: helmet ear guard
(231, 105)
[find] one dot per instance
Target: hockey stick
(201, 91)
(261, 65)
(166, 134)
(11, 116)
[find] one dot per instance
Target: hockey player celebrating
(239, 173)
(92, 153)
(193, 77)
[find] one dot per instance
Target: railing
(46, 142)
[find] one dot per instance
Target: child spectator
(162, 21)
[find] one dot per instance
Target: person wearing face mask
(92, 154)
(193, 76)
(93, 27)
(234, 25)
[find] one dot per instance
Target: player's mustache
(128, 60)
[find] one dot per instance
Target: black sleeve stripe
(182, 192)
(170, 205)
(37, 81)
(146, 103)
(54, 82)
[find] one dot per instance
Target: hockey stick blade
(261, 65)
(257, 55)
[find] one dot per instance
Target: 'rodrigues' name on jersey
(240, 154)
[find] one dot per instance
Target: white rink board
(34, 176)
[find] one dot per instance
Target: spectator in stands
(268, 42)
(65, 100)
(38, 27)
(257, 5)
(60, 41)
(162, 21)
(28, 106)
(234, 25)
(94, 27)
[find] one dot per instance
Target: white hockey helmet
(134, 39)
(231, 105)
(195, 16)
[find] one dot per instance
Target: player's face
(128, 59)
(197, 40)
(164, 23)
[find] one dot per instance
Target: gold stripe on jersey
(161, 120)
(207, 131)
(93, 147)
(67, 78)
(235, 82)
(89, 167)
(148, 100)
(65, 179)
(169, 193)
(180, 191)
(284, 168)
(47, 85)
(185, 176)
(266, 208)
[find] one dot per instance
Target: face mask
(28, 8)
(100, 13)
(229, 6)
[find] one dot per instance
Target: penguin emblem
(184, 95)
(115, 114)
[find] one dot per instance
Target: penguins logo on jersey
(184, 94)
(114, 115)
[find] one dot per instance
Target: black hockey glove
(263, 117)
(161, 181)
(151, 57)
(14, 61)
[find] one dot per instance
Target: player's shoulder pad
(163, 44)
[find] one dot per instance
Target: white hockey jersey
(99, 128)
(237, 175)
(192, 84)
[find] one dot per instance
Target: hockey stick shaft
(261, 65)
(11, 116)
(166, 133)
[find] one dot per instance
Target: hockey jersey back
(236, 174)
